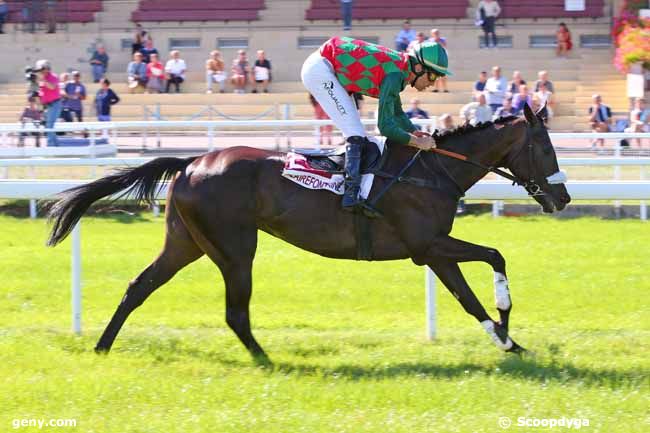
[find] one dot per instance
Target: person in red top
(564, 43)
(50, 97)
(155, 74)
(344, 66)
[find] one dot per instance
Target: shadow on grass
(126, 213)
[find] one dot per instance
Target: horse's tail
(139, 182)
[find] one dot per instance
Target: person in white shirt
(544, 97)
(487, 12)
(496, 88)
(477, 112)
(175, 70)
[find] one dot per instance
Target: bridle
(530, 185)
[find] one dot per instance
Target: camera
(30, 74)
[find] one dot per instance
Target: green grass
(347, 338)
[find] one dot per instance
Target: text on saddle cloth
(298, 169)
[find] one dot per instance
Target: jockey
(343, 66)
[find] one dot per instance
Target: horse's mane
(468, 128)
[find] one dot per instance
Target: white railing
(490, 190)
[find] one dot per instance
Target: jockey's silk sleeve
(393, 122)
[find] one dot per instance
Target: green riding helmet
(432, 56)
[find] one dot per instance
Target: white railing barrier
(490, 190)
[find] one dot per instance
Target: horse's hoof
(262, 360)
(517, 349)
(101, 350)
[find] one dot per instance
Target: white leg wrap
(501, 291)
(488, 325)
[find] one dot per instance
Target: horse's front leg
(461, 251)
(450, 274)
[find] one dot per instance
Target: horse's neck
(490, 150)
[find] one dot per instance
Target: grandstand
(288, 30)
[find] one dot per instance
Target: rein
(531, 186)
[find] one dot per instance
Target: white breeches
(318, 77)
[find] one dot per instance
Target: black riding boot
(353, 148)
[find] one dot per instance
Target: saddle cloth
(307, 169)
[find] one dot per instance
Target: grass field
(347, 338)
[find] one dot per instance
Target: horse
(217, 202)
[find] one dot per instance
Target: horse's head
(534, 161)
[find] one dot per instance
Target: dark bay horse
(217, 202)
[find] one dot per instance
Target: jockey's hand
(418, 133)
(423, 142)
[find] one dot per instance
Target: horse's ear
(530, 116)
(542, 113)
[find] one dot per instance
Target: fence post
(643, 208)
(157, 128)
(277, 128)
(210, 138)
(32, 202)
(617, 176)
(93, 151)
(287, 116)
(430, 301)
(144, 131)
(76, 279)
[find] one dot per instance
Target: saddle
(333, 160)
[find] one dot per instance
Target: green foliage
(347, 338)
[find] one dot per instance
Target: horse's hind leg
(179, 251)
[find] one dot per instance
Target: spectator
(262, 72)
(487, 13)
(33, 88)
(496, 87)
(446, 123)
(50, 95)
(324, 131)
(544, 97)
(543, 78)
(148, 50)
(50, 16)
(99, 63)
(419, 38)
(513, 86)
(4, 11)
(521, 98)
(240, 72)
(175, 69)
(104, 99)
(639, 119)
(214, 71)
(75, 92)
(138, 39)
(505, 110)
(479, 86)
(346, 13)
(415, 112)
(155, 74)
(31, 114)
(137, 74)
(441, 82)
(64, 77)
(477, 112)
(405, 36)
(563, 38)
(600, 117)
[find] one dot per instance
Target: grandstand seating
(548, 9)
(388, 9)
(198, 10)
(70, 11)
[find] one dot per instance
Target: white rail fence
(484, 190)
